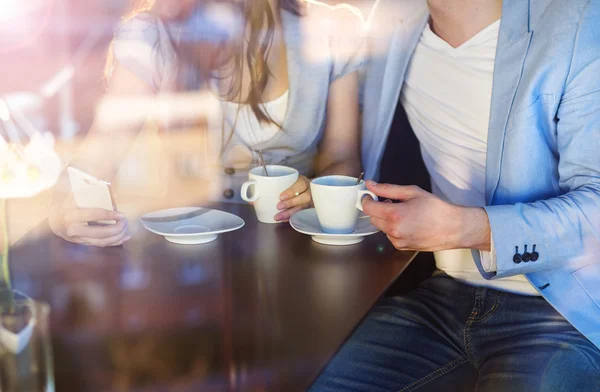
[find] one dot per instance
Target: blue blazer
(543, 154)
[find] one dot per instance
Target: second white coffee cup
(265, 191)
(338, 200)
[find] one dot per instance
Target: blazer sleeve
(565, 229)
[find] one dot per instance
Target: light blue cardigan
(543, 161)
(324, 44)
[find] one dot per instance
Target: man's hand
(424, 222)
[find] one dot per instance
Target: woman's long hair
(254, 50)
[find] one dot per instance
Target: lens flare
(24, 172)
(4, 113)
(22, 22)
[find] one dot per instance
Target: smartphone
(91, 192)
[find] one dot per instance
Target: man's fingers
(377, 209)
(399, 244)
(98, 232)
(394, 230)
(379, 223)
(396, 192)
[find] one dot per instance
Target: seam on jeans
(492, 310)
(469, 323)
(435, 374)
(477, 305)
(467, 339)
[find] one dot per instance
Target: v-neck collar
(439, 43)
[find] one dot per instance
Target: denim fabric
(448, 336)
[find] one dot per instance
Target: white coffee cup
(266, 190)
(338, 200)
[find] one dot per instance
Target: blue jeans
(447, 336)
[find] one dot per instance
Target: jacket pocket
(589, 278)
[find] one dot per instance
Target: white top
(247, 126)
(447, 97)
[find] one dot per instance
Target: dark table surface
(262, 308)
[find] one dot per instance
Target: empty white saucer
(306, 222)
(191, 225)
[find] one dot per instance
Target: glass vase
(25, 345)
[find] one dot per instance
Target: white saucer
(191, 225)
(306, 222)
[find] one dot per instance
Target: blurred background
(53, 56)
(116, 325)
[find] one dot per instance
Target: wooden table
(262, 308)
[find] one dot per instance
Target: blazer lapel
(401, 52)
(385, 27)
(513, 43)
(396, 32)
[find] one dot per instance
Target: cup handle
(244, 192)
(361, 195)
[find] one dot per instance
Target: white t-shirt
(447, 97)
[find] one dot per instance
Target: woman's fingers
(97, 231)
(285, 216)
(124, 240)
(76, 228)
(303, 198)
(115, 240)
(295, 190)
(84, 215)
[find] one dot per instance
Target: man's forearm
(475, 230)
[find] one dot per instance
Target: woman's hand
(294, 199)
(71, 223)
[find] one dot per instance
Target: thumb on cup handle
(244, 192)
(361, 195)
